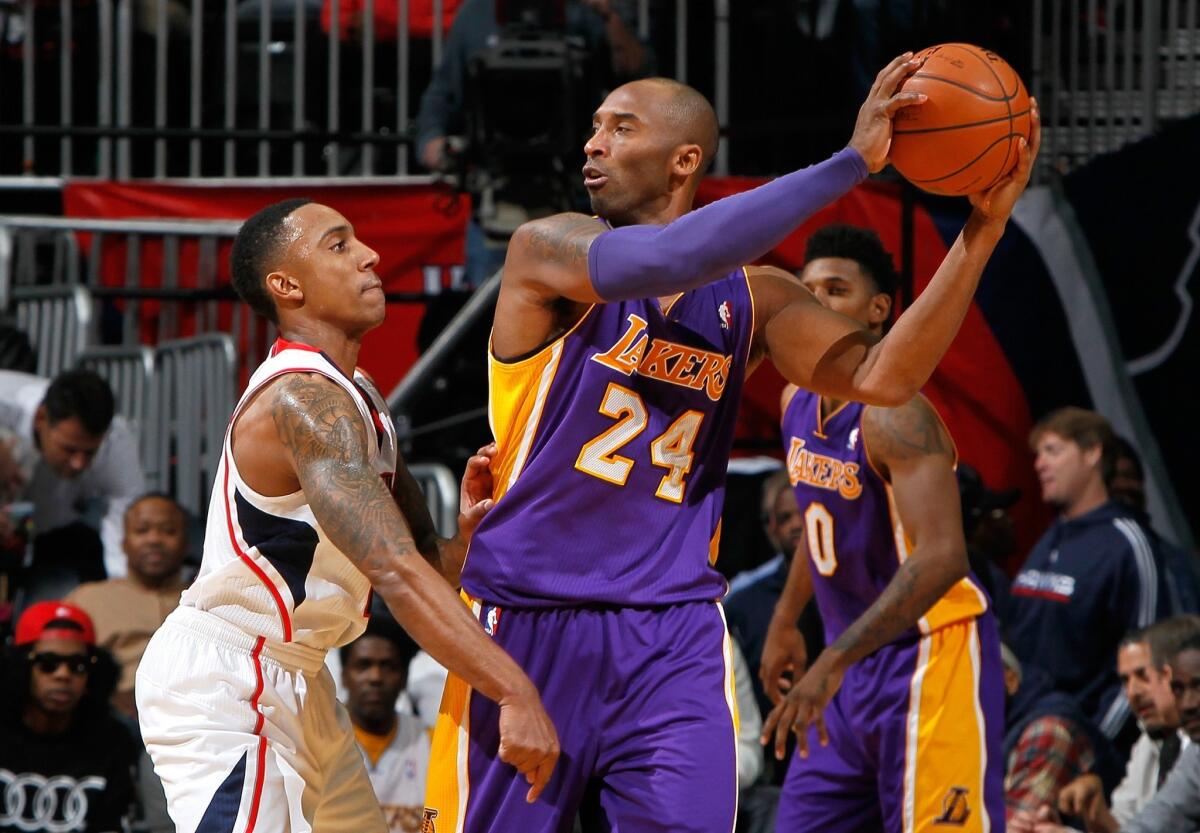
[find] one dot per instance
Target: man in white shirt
(62, 450)
(1143, 664)
(395, 746)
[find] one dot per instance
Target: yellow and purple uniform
(915, 729)
(595, 571)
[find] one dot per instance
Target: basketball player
(907, 699)
(311, 509)
(617, 358)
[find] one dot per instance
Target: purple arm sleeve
(709, 243)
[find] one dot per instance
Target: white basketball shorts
(249, 736)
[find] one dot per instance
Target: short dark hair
(254, 254)
(1126, 451)
(1192, 643)
(1170, 636)
(156, 495)
(387, 628)
(83, 394)
(1087, 429)
(862, 245)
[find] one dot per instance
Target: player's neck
(341, 347)
(829, 405)
(666, 209)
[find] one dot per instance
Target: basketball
(966, 136)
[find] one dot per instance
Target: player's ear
(881, 307)
(284, 288)
(688, 159)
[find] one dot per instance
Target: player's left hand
(475, 495)
(803, 706)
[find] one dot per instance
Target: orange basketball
(965, 136)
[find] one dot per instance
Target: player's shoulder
(912, 429)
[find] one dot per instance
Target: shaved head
(688, 113)
(652, 141)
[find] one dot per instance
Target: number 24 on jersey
(671, 450)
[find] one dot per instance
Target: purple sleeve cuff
(710, 242)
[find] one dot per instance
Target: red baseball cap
(55, 620)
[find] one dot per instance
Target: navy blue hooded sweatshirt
(1087, 583)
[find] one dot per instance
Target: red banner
(412, 228)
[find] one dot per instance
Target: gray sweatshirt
(1176, 807)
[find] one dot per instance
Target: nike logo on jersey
(1054, 586)
(666, 361)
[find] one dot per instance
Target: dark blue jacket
(748, 612)
(1087, 583)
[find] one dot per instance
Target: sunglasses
(49, 663)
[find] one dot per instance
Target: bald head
(687, 113)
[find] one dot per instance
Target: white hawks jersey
(268, 567)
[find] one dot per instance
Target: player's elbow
(951, 558)
(891, 394)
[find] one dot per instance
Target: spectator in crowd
(607, 27)
(989, 531)
(127, 611)
(66, 454)
(66, 762)
(395, 746)
(1143, 663)
(1090, 579)
(1175, 808)
(751, 600)
(1129, 487)
(1048, 740)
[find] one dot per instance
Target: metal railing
(255, 88)
(174, 264)
(193, 398)
(1109, 72)
(129, 371)
(59, 323)
(441, 494)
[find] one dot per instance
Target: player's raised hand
(873, 129)
(803, 706)
(528, 740)
(475, 494)
(997, 202)
(784, 652)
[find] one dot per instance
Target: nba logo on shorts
(955, 809)
(491, 620)
(427, 825)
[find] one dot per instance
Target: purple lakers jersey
(854, 535)
(613, 442)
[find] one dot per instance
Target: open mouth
(593, 177)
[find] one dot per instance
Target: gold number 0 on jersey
(672, 449)
(819, 525)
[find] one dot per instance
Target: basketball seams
(963, 125)
(1007, 106)
(973, 90)
(959, 170)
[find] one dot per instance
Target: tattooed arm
(322, 436)
(910, 448)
